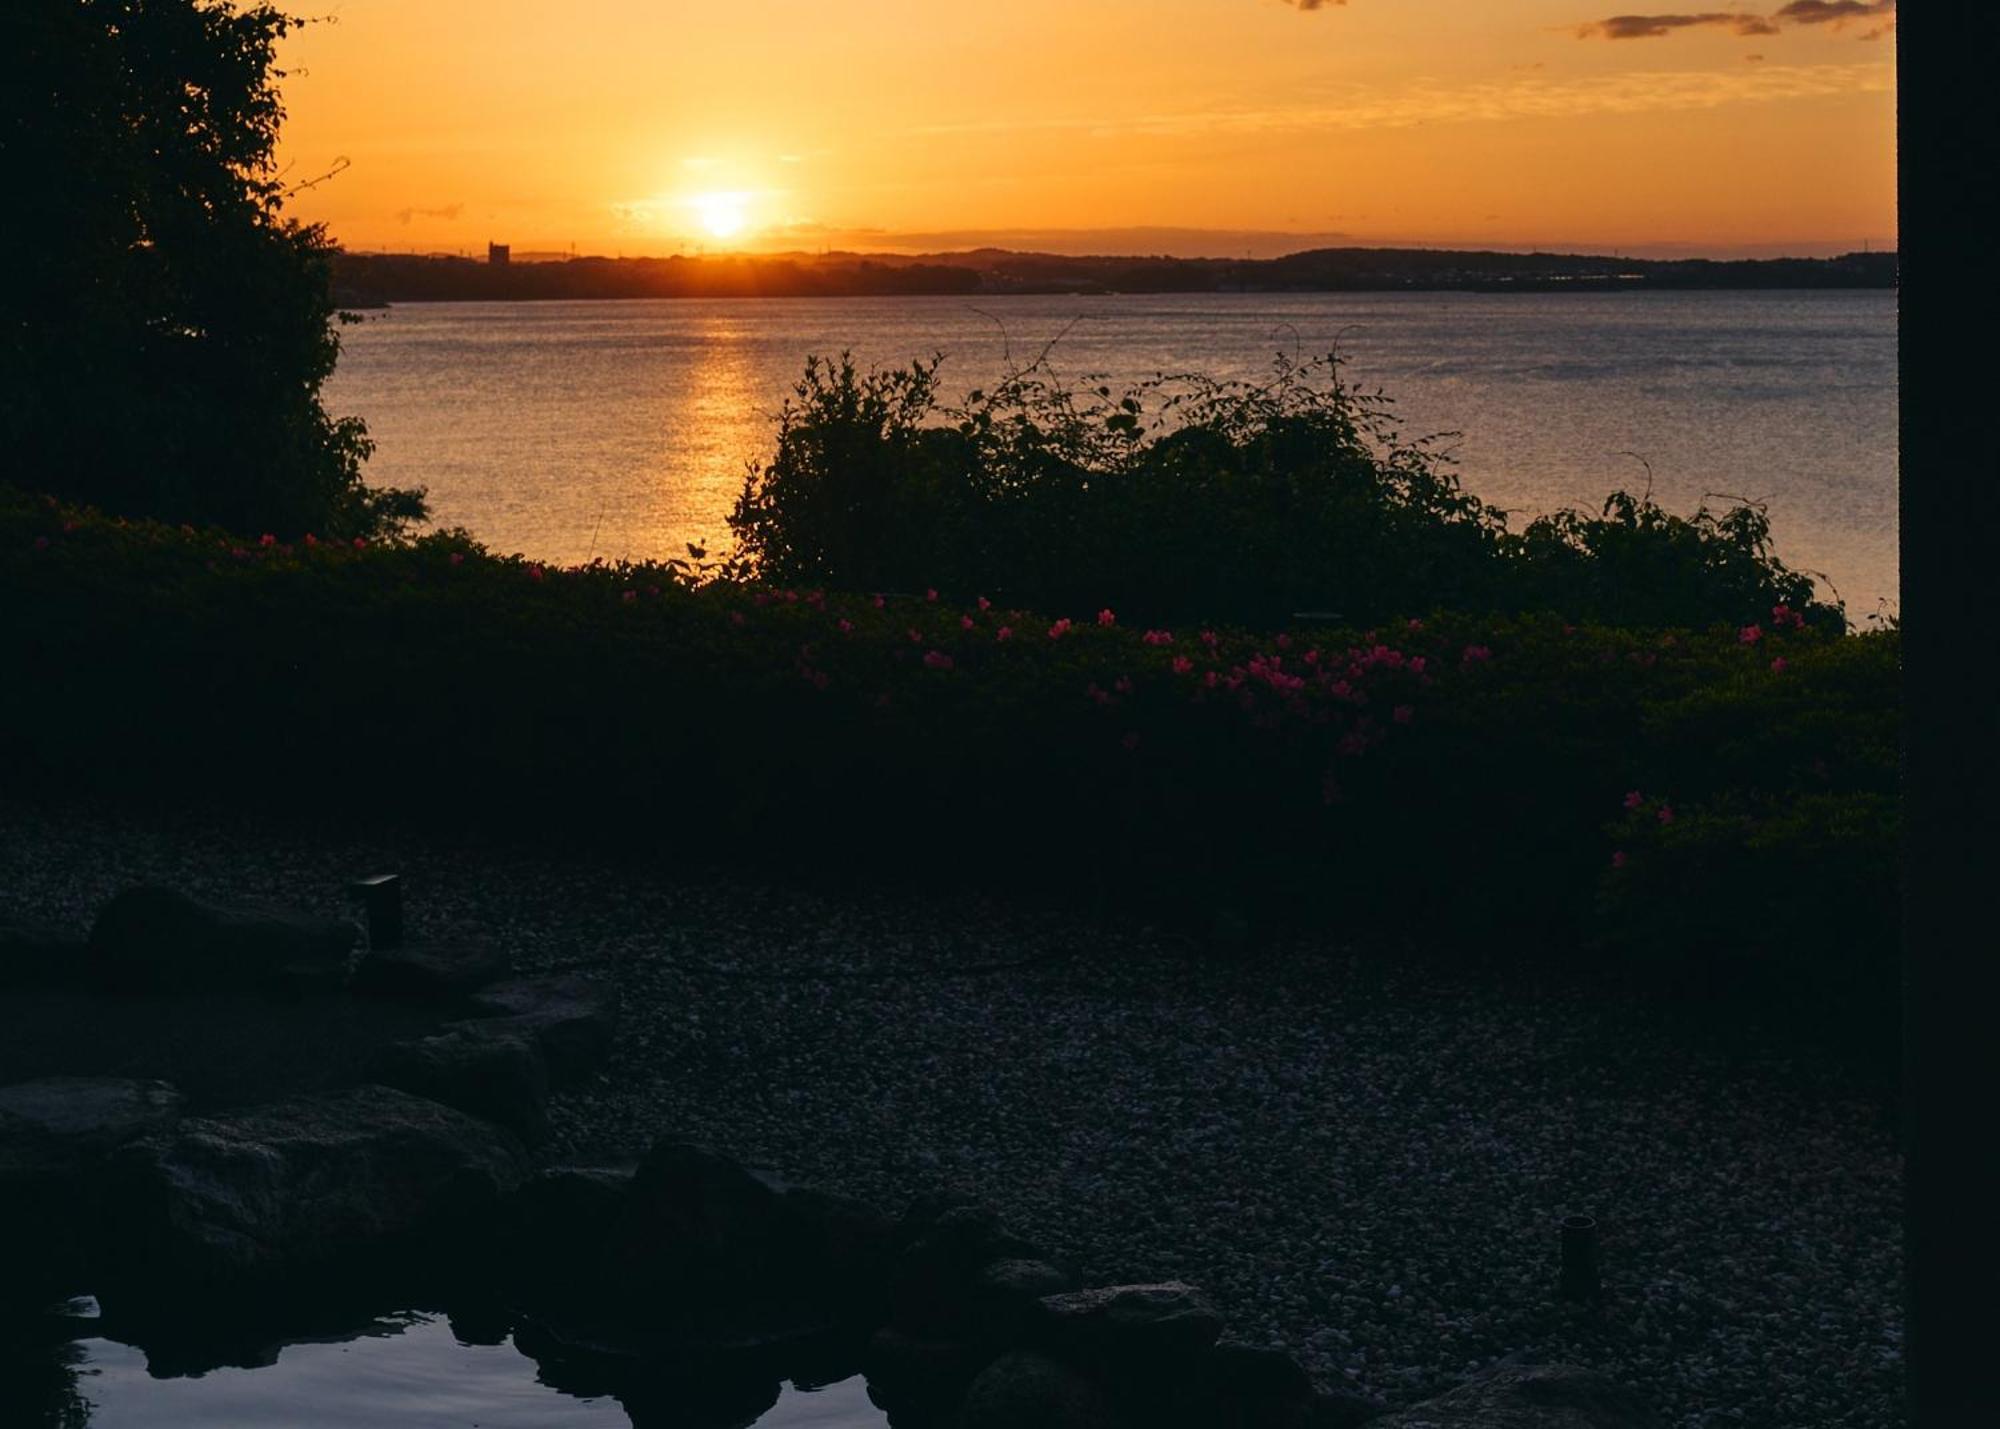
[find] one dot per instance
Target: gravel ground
(1361, 1159)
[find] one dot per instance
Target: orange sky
(631, 126)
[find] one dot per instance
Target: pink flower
(965, 622)
(878, 602)
(535, 573)
(1779, 664)
(1105, 617)
(1475, 653)
(458, 558)
(267, 539)
(735, 617)
(1096, 694)
(1284, 642)
(1005, 632)
(985, 604)
(652, 590)
(1634, 799)
(1750, 635)
(1059, 629)
(1666, 813)
(931, 595)
(916, 636)
(1122, 685)
(1182, 665)
(936, 660)
(1618, 859)
(1209, 638)
(846, 626)
(359, 542)
(1416, 664)
(819, 679)
(1404, 714)
(1158, 637)
(1569, 630)
(629, 596)
(1416, 625)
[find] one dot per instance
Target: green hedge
(1463, 780)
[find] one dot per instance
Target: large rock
(159, 940)
(1529, 1397)
(569, 1016)
(1005, 1298)
(66, 1127)
(429, 970)
(37, 955)
(921, 1379)
(315, 1184)
(1026, 1390)
(56, 1135)
(1161, 1330)
(559, 1227)
(934, 1283)
(492, 1068)
(722, 1240)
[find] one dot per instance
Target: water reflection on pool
(401, 1372)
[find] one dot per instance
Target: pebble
(1291, 1127)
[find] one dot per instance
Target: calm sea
(622, 429)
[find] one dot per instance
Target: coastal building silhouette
(498, 255)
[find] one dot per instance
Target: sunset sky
(1185, 126)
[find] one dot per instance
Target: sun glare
(721, 215)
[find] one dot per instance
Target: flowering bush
(1670, 800)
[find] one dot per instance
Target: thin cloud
(1833, 12)
(449, 211)
(1524, 98)
(1647, 27)
(1313, 4)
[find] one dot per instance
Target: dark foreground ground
(1361, 1156)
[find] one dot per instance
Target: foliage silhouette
(1192, 498)
(165, 329)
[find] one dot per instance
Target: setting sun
(721, 215)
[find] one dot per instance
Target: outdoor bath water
(403, 1371)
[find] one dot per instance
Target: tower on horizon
(498, 255)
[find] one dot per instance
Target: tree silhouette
(164, 328)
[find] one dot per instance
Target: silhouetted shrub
(164, 329)
(1190, 498)
(1459, 780)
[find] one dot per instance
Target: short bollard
(382, 904)
(1579, 1280)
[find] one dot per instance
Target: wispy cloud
(1525, 97)
(1313, 4)
(1834, 13)
(447, 212)
(1647, 27)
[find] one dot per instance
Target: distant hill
(364, 279)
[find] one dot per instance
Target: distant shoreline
(363, 281)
